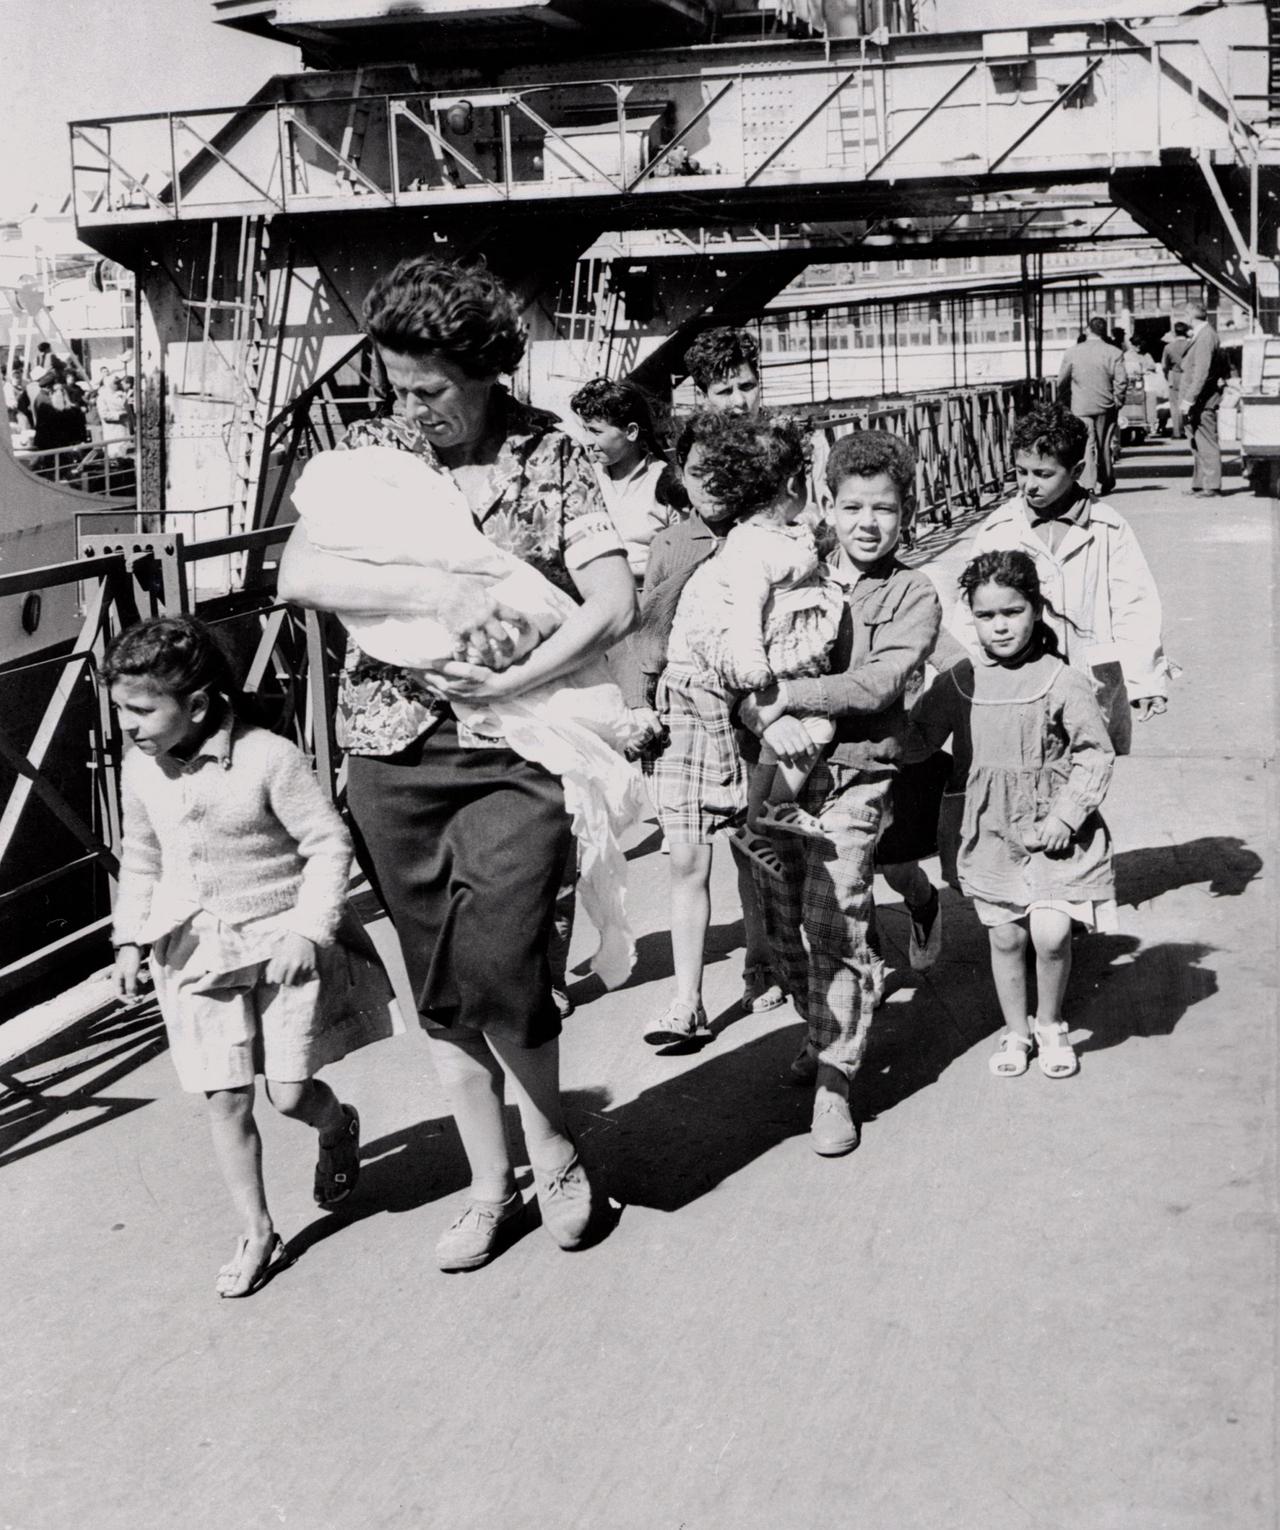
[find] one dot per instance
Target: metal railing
(1026, 106)
(69, 761)
(99, 467)
(961, 441)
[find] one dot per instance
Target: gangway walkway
(1018, 1304)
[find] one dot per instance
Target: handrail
(52, 575)
(384, 173)
(88, 459)
(128, 574)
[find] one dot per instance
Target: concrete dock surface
(1020, 1305)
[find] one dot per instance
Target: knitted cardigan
(241, 830)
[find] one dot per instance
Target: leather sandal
(1056, 1056)
(338, 1163)
(232, 1274)
(787, 818)
(757, 849)
(1010, 1059)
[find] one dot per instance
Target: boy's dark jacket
(888, 630)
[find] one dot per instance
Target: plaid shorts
(817, 917)
(698, 782)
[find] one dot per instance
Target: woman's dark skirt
(466, 848)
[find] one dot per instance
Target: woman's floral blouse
(543, 505)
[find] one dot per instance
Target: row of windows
(843, 273)
(909, 337)
(1064, 312)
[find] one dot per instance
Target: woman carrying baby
(466, 838)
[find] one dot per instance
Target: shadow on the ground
(1120, 989)
(106, 1050)
(653, 960)
(682, 1137)
(1150, 467)
(403, 1171)
(1226, 863)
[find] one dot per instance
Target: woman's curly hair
(430, 307)
(747, 461)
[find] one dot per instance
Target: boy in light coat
(1102, 602)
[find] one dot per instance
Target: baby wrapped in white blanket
(381, 505)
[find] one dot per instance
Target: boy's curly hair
(717, 352)
(176, 654)
(864, 453)
(747, 460)
(430, 307)
(1050, 430)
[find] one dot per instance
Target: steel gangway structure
(724, 166)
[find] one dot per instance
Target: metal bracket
(135, 548)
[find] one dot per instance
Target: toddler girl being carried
(761, 609)
(381, 505)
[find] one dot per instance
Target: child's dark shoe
(924, 945)
(787, 818)
(338, 1162)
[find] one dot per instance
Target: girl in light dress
(758, 609)
(1020, 830)
(234, 870)
(381, 505)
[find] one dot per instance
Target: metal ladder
(266, 303)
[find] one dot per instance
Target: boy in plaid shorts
(817, 913)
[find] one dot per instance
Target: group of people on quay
(1105, 368)
(55, 411)
(536, 627)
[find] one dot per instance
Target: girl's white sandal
(1057, 1057)
(1012, 1056)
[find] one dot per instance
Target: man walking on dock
(1202, 378)
(1092, 382)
